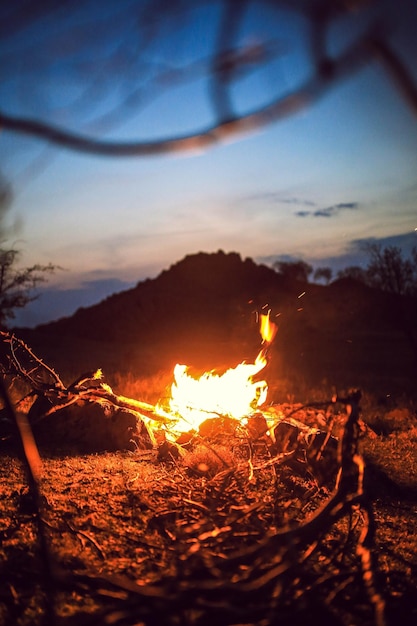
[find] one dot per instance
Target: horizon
(54, 303)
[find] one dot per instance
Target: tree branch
(349, 62)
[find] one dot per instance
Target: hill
(202, 312)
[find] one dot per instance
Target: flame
(268, 329)
(234, 393)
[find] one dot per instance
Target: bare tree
(390, 271)
(17, 285)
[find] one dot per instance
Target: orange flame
(268, 329)
(233, 393)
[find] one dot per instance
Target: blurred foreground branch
(229, 61)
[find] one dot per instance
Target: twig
(87, 536)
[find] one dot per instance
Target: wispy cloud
(329, 211)
(297, 201)
(347, 205)
(277, 197)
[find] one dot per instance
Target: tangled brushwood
(229, 531)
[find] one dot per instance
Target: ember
(235, 393)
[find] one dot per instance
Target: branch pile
(251, 542)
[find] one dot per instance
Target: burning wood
(216, 408)
(236, 393)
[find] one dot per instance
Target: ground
(137, 539)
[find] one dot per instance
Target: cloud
(406, 242)
(277, 197)
(329, 211)
(355, 254)
(347, 205)
(298, 201)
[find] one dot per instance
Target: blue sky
(314, 185)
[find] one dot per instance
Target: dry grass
(157, 523)
(193, 532)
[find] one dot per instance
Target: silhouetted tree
(323, 273)
(17, 285)
(293, 270)
(390, 271)
(355, 272)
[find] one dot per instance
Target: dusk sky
(314, 185)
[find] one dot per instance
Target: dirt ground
(133, 539)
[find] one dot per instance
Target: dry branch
(226, 562)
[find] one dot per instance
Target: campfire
(214, 406)
(228, 408)
(236, 393)
(226, 545)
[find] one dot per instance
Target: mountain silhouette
(203, 311)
